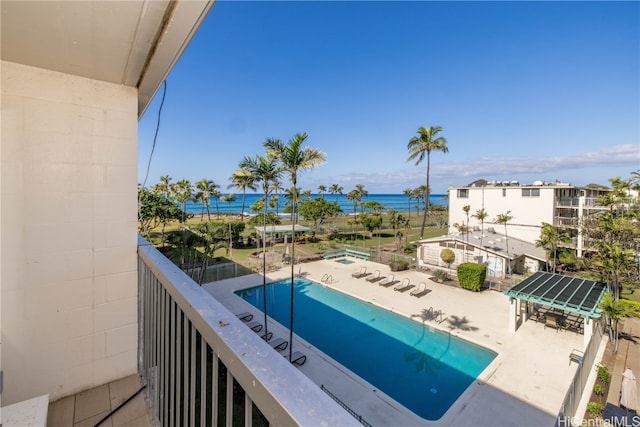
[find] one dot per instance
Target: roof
(566, 293)
(132, 43)
(495, 243)
(272, 229)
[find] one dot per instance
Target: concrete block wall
(68, 266)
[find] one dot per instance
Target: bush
(603, 374)
(447, 256)
(595, 408)
(440, 275)
(398, 265)
(630, 308)
(471, 275)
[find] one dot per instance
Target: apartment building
(561, 204)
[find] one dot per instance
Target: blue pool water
(425, 370)
(344, 261)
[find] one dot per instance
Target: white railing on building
(203, 366)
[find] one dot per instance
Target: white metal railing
(203, 366)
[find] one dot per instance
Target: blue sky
(523, 91)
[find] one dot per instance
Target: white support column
(512, 314)
(588, 331)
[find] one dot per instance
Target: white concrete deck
(524, 385)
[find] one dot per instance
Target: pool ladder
(327, 278)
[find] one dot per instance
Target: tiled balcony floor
(87, 408)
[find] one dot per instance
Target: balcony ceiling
(133, 43)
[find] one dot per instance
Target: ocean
(399, 202)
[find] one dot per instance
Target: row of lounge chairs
(278, 344)
(405, 285)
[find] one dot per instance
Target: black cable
(155, 137)
(120, 406)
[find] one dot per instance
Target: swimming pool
(344, 261)
(425, 370)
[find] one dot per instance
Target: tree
(317, 211)
(409, 193)
(550, 238)
(293, 159)
(397, 221)
(614, 312)
(242, 179)
(421, 146)
(466, 209)
(153, 210)
(335, 189)
(447, 256)
(183, 191)
(481, 215)
(504, 219)
(206, 190)
(321, 190)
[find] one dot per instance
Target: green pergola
(572, 294)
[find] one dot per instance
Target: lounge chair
(420, 290)
(245, 317)
(297, 358)
(389, 281)
(279, 344)
(376, 276)
(255, 326)
(404, 286)
(361, 273)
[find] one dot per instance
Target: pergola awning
(573, 294)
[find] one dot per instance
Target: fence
(574, 394)
(202, 366)
(346, 408)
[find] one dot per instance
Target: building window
(463, 193)
(530, 192)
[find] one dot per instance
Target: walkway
(628, 356)
(87, 408)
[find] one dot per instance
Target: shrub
(471, 275)
(630, 308)
(595, 408)
(603, 374)
(598, 390)
(398, 265)
(440, 275)
(447, 256)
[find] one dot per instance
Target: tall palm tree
(354, 196)
(266, 171)
(409, 193)
(206, 189)
(242, 179)
(294, 159)
(183, 191)
(336, 189)
(361, 194)
(215, 193)
(481, 215)
(276, 189)
(466, 209)
(422, 145)
(321, 190)
(504, 219)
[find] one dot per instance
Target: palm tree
(409, 193)
(276, 188)
(321, 190)
(336, 189)
(242, 179)
(229, 198)
(481, 215)
(355, 197)
(466, 209)
(504, 219)
(422, 145)
(361, 193)
(183, 190)
(215, 193)
(207, 188)
(266, 171)
(294, 159)
(164, 186)
(550, 238)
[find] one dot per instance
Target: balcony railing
(203, 366)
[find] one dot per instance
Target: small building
(279, 233)
(489, 248)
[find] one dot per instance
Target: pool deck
(524, 385)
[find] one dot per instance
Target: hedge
(471, 275)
